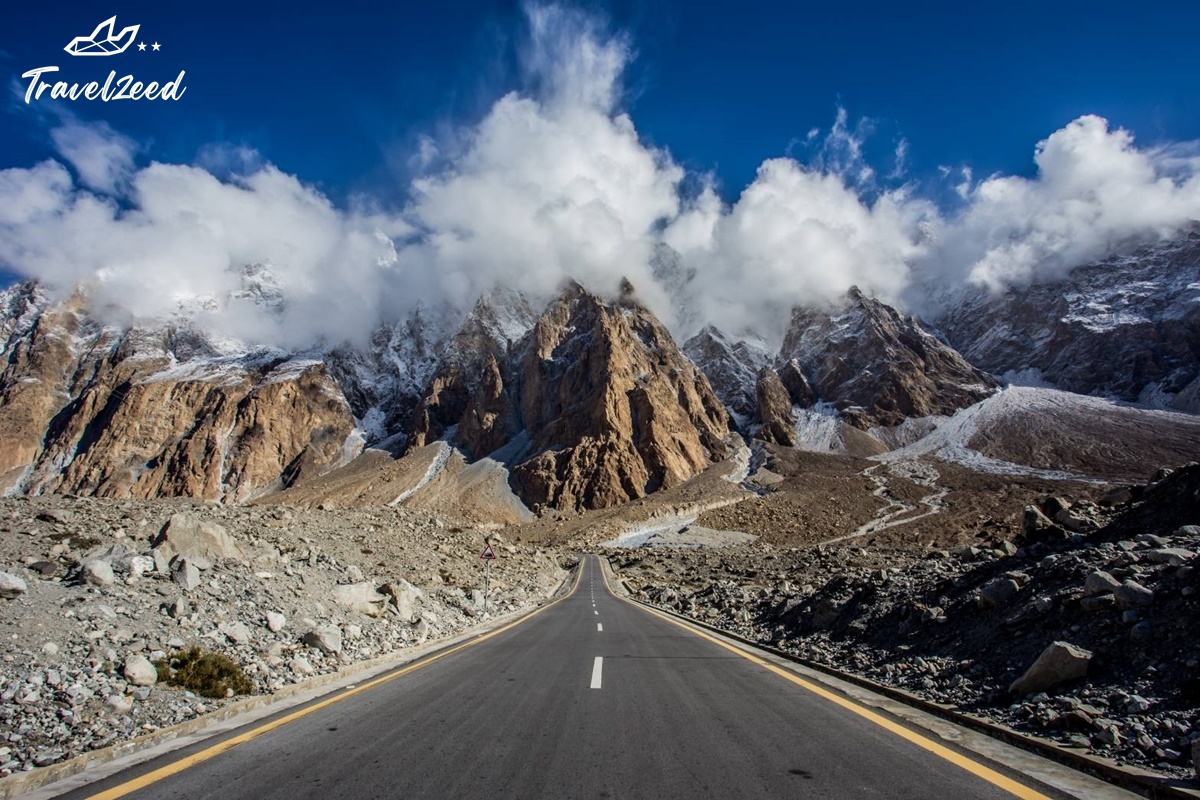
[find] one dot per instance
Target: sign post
(488, 556)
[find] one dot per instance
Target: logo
(109, 45)
(105, 41)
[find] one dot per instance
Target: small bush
(203, 672)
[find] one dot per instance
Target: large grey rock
(139, 671)
(327, 638)
(1132, 594)
(97, 573)
(187, 535)
(186, 575)
(11, 586)
(1059, 663)
(117, 554)
(360, 597)
(1175, 556)
(236, 632)
(1100, 582)
(404, 597)
(998, 592)
(275, 621)
(120, 703)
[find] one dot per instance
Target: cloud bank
(555, 182)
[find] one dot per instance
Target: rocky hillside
(93, 591)
(155, 411)
(1127, 327)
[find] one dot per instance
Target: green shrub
(204, 672)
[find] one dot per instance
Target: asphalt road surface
(592, 697)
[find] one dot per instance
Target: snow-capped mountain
(732, 367)
(1126, 327)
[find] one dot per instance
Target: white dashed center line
(594, 611)
(596, 669)
(599, 627)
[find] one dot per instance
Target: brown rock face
(594, 406)
(143, 413)
(775, 410)
(612, 407)
(879, 367)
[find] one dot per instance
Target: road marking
(596, 670)
(597, 613)
(600, 627)
(182, 764)
(979, 770)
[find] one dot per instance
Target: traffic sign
(488, 554)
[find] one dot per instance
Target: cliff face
(876, 366)
(594, 406)
(156, 411)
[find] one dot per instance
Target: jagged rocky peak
(732, 367)
(594, 406)
(155, 409)
(612, 408)
(877, 366)
(472, 372)
(1126, 326)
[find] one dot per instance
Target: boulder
(1132, 594)
(1059, 663)
(326, 638)
(11, 586)
(236, 632)
(139, 671)
(97, 573)
(189, 536)
(301, 666)
(1175, 556)
(361, 597)
(275, 621)
(120, 703)
(186, 575)
(998, 592)
(404, 598)
(1100, 582)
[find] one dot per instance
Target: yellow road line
(990, 775)
(182, 764)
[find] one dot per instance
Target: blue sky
(377, 159)
(339, 95)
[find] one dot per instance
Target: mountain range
(586, 401)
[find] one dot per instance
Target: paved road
(531, 713)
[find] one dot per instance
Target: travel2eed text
(124, 88)
(104, 41)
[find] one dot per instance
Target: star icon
(141, 45)
(156, 46)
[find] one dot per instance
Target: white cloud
(102, 157)
(555, 182)
(1094, 191)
